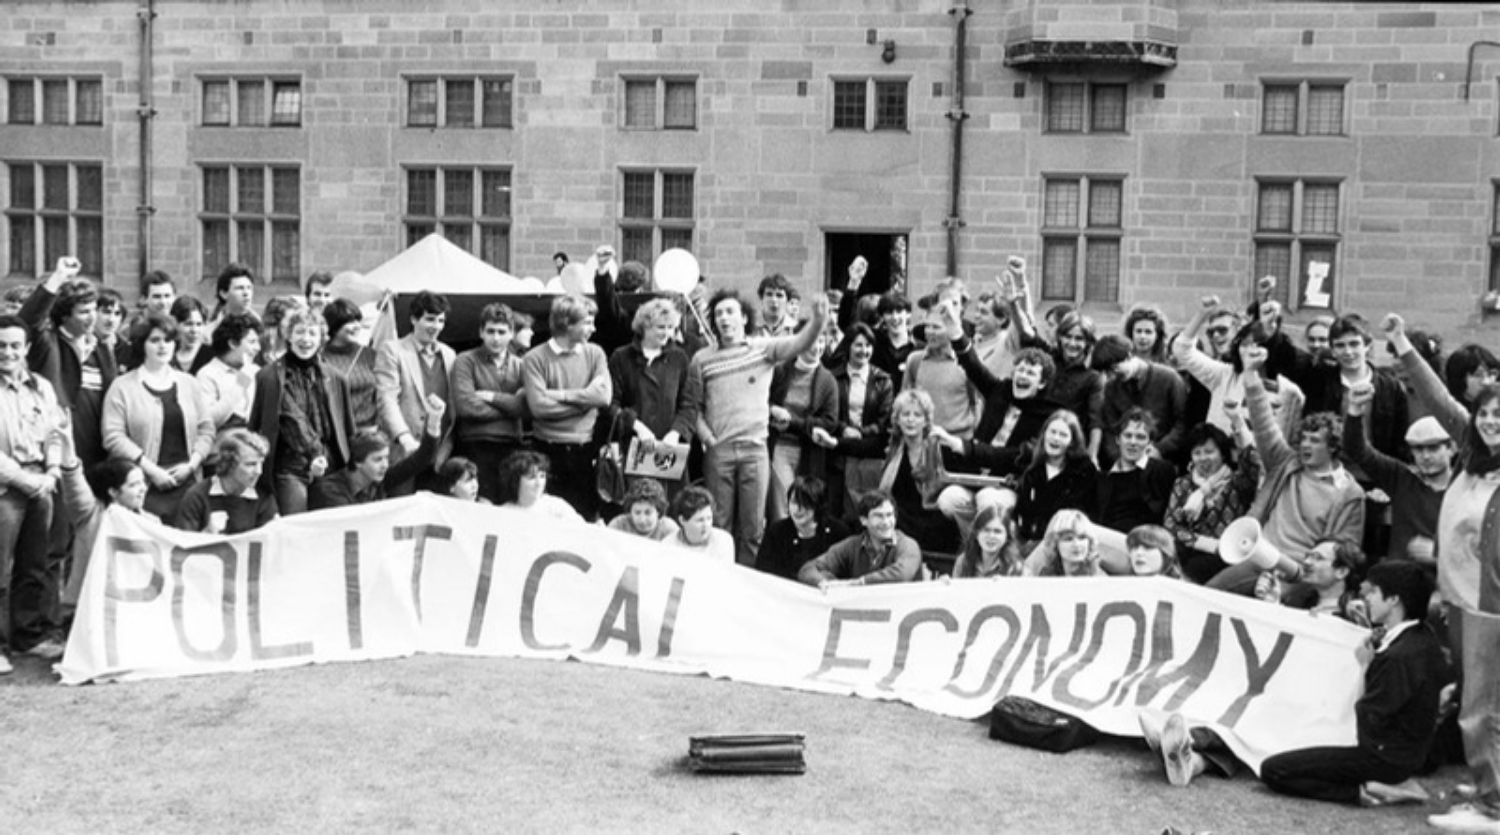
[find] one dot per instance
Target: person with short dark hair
(1395, 717)
(193, 339)
(894, 339)
(774, 293)
(157, 416)
(61, 314)
(1328, 584)
(644, 511)
(859, 441)
(458, 478)
(487, 392)
(370, 474)
(109, 325)
(523, 486)
(157, 292)
(318, 290)
(1217, 489)
(234, 290)
(1327, 387)
(348, 352)
(228, 380)
(1136, 489)
(1137, 382)
(560, 261)
(410, 372)
(1467, 372)
(228, 503)
(880, 554)
(806, 532)
(693, 511)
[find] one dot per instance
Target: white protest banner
(430, 574)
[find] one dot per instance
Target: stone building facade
(1135, 151)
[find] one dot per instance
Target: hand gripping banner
(430, 574)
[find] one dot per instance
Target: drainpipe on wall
(954, 222)
(144, 209)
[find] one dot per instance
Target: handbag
(609, 470)
(1025, 722)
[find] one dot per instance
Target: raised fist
(1393, 324)
(68, 266)
(1209, 302)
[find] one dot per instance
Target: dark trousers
(572, 476)
(1333, 774)
(28, 587)
(487, 456)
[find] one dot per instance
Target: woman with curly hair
(1146, 328)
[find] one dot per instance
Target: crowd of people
(855, 438)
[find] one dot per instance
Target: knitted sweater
(734, 384)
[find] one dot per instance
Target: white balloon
(676, 270)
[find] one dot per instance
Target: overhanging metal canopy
(1036, 54)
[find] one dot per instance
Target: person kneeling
(881, 554)
(1395, 718)
(228, 503)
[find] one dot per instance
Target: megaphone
(1242, 541)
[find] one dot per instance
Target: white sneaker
(1465, 817)
(5, 667)
(1177, 751)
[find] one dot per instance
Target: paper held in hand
(664, 461)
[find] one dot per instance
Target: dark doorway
(886, 252)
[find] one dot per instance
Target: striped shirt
(736, 386)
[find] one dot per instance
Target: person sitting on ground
(645, 511)
(1060, 475)
(804, 534)
(523, 486)
(228, 503)
(1306, 496)
(1416, 490)
(369, 475)
(992, 549)
(1217, 489)
(1153, 552)
(1395, 718)
(1329, 582)
(1070, 548)
(458, 478)
(881, 554)
(113, 481)
(1135, 491)
(693, 511)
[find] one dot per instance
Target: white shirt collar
(1392, 633)
(557, 347)
(216, 488)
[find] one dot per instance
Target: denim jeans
(28, 588)
(738, 476)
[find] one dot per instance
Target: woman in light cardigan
(1468, 556)
(156, 416)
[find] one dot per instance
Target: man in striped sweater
(734, 382)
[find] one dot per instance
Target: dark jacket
(875, 419)
(1037, 498)
(1397, 715)
(783, 553)
(1323, 386)
(654, 393)
(59, 364)
(1150, 488)
(1160, 391)
(265, 413)
(998, 398)
(823, 412)
(337, 490)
